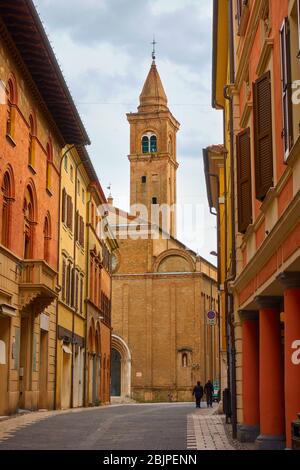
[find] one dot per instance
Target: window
(240, 4)
(144, 179)
(149, 143)
(68, 284)
(81, 295)
(71, 173)
(262, 112)
(78, 187)
(66, 163)
(76, 289)
(47, 238)
(10, 111)
(145, 144)
(63, 281)
(83, 196)
(244, 180)
(64, 206)
(153, 144)
(286, 80)
(154, 200)
(29, 214)
(69, 212)
(6, 209)
(49, 166)
(31, 142)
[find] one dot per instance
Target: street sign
(211, 317)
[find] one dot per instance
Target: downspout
(73, 283)
(230, 309)
(58, 259)
(87, 277)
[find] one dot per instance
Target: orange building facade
(264, 39)
(32, 135)
(55, 243)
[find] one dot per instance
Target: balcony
(37, 286)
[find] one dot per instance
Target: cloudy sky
(104, 50)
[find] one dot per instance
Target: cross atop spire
(153, 51)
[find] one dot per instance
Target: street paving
(169, 426)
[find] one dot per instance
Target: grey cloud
(184, 35)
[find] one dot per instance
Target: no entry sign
(211, 317)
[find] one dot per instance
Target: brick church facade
(162, 291)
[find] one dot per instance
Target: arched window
(153, 144)
(145, 144)
(6, 209)
(31, 142)
(29, 214)
(49, 167)
(10, 102)
(47, 238)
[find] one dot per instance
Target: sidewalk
(208, 431)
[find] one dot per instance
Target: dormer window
(149, 143)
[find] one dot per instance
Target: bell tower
(153, 162)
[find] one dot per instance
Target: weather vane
(109, 188)
(153, 51)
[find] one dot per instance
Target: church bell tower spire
(153, 161)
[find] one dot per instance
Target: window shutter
(73, 287)
(63, 206)
(68, 210)
(286, 80)
(63, 281)
(263, 135)
(82, 223)
(244, 180)
(76, 291)
(77, 226)
(71, 214)
(81, 294)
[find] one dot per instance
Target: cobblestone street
(120, 427)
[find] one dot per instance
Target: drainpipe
(230, 309)
(87, 259)
(58, 259)
(73, 283)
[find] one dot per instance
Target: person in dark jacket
(209, 390)
(198, 393)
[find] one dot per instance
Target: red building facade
(265, 39)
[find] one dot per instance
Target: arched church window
(153, 144)
(145, 144)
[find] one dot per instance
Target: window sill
(31, 169)
(11, 140)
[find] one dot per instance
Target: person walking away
(209, 390)
(198, 393)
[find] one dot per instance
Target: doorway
(43, 370)
(115, 373)
(4, 342)
(25, 360)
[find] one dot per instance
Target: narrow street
(117, 427)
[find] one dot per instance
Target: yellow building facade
(71, 315)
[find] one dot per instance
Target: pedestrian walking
(198, 393)
(209, 390)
